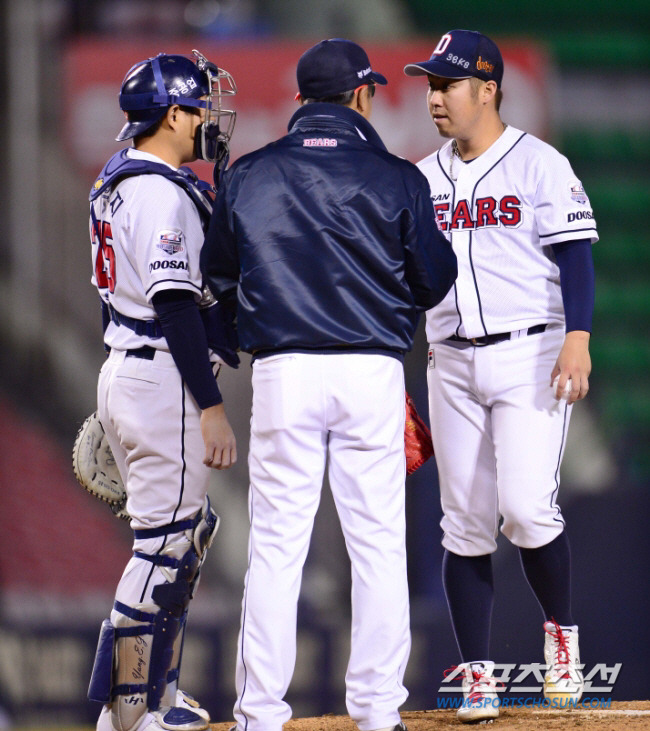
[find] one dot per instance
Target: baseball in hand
(567, 387)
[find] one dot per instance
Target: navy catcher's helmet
(150, 87)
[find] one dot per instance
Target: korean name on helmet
(150, 87)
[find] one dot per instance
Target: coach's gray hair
(344, 99)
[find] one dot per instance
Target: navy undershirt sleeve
(577, 280)
(183, 329)
(106, 318)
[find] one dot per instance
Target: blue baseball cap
(462, 54)
(332, 67)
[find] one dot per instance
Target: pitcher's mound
(621, 716)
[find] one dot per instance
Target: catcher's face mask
(213, 135)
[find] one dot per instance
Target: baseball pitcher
(508, 356)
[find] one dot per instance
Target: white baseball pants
(346, 412)
(153, 427)
(499, 435)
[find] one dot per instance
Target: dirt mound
(621, 716)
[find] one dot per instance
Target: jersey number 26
(105, 259)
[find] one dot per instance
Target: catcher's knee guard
(140, 653)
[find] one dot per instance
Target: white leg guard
(143, 634)
(140, 652)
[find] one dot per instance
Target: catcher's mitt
(94, 466)
(418, 446)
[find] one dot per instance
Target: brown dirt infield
(621, 716)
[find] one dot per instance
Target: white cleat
(187, 715)
(563, 680)
(180, 719)
(147, 723)
(480, 699)
(185, 700)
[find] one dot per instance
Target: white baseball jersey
(139, 250)
(502, 213)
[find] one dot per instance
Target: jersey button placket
(462, 244)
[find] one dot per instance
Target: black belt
(497, 337)
(146, 352)
(150, 328)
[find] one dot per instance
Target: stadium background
(576, 74)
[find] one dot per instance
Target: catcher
(158, 398)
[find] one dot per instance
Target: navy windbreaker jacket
(327, 240)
